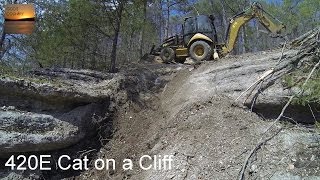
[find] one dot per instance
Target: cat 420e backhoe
(199, 38)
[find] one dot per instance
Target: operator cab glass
(200, 24)
(190, 26)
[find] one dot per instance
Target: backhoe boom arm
(255, 11)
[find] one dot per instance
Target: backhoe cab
(199, 37)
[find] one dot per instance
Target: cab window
(204, 24)
(189, 26)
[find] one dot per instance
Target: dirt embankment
(195, 119)
(64, 111)
(175, 110)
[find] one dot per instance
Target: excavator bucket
(152, 56)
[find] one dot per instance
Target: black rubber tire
(203, 54)
(167, 54)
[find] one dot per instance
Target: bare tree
(117, 17)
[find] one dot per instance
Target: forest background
(104, 34)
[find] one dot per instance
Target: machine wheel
(200, 50)
(167, 54)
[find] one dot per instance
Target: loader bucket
(152, 56)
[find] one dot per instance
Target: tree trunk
(243, 37)
(160, 22)
(115, 38)
(241, 42)
(168, 18)
(142, 33)
(130, 46)
(256, 46)
(3, 36)
(93, 63)
(224, 19)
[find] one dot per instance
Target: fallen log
(307, 60)
(304, 61)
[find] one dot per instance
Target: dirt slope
(209, 136)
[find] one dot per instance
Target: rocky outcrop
(45, 94)
(22, 131)
(231, 77)
(54, 108)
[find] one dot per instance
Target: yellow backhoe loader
(199, 38)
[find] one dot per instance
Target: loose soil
(209, 138)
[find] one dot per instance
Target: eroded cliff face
(51, 109)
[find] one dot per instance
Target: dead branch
(280, 115)
(275, 121)
(258, 146)
(309, 46)
(314, 117)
